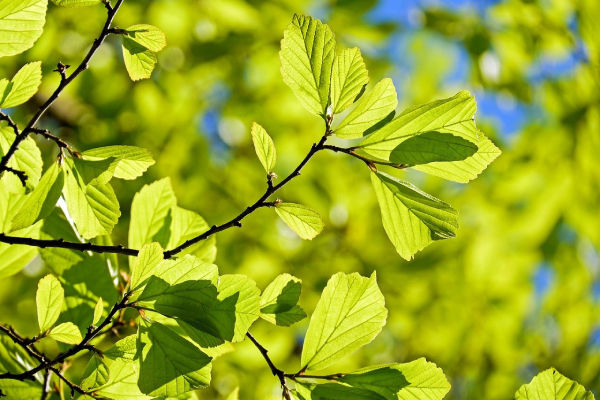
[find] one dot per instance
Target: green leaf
(139, 61)
(334, 391)
(305, 221)
(123, 372)
(93, 206)
(27, 158)
(185, 225)
(14, 359)
(349, 314)
(412, 218)
(149, 210)
(21, 24)
(76, 3)
(96, 373)
(431, 147)
(372, 108)
(42, 200)
(145, 264)
(453, 116)
(67, 332)
(348, 78)
(49, 301)
(15, 257)
(264, 147)
(307, 53)
(23, 85)
(148, 36)
(131, 161)
(418, 379)
(279, 301)
(551, 385)
(98, 310)
(170, 365)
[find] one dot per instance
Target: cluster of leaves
(188, 314)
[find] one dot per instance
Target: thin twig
(46, 385)
(274, 370)
(64, 82)
(370, 163)
(45, 133)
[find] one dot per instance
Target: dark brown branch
(45, 133)
(20, 174)
(46, 364)
(65, 81)
(43, 243)
(370, 163)
(274, 370)
(45, 386)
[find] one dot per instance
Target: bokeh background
(516, 292)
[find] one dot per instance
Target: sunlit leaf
(305, 221)
(139, 61)
(372, 108)
(348, 78)
(132, 161)
(21, 24)
(23, 85)
(264, 147)
(551, 385)
(307, 53)
(67, 332)
(349, 314)
(412, 218)
(27, 158)
(49, 301)
(279, 301)
(148, 36)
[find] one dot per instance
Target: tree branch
(46, 364)
(64, 82)
(370, 163)
(274, 370)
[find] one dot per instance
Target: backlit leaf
(348, 78)
(305, 221)
(49, 301)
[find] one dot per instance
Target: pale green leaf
(307, 53)
(412, 218)
(21, 24)
(23, 85)
(15, 257)
(145, 264)
(551, 385)
(170, 365)
(305, 221)
(98, 310)
(131, 161)
(186, 225)
(93, 207)
(279, 301)
(148, 36)
(264, 147)
(417, 379)
(96, 373)
(67, 332)
(27, 158)
(14, 359)
(349, 314)
(372, 108)
(139, 61)
(39, 203)
(76, 3)
(49, 301)
(453, 116)
(234, 395)
(348, 78)
(149, 210)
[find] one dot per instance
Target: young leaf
(98, 310)
(96, 373)
(93, 206)
(42, 200)
(139, 61)
(21, 24)
(417, 379)
(454, 116)
(264, 147)
(305, 221)
(131, 161)
(279, 301)
(551, 385)
(371, 109)
(148, 36)
(149, 210)
(186, 224)
(431, 147)
(145, 264)
(412, 218)
(67, 332)
(348, 78)
(49, 301)
(76, 3)
(307, 52)
(27, 158)
(170, 365)
(23, 85)
(349, 314)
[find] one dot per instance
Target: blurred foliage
(515, 293)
